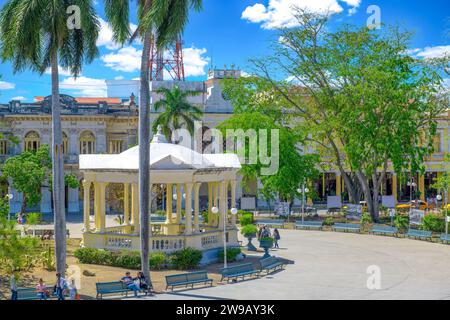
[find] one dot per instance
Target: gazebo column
(102, 206)
(188, 207)
(126, 203)
(169, 209)
(97, 206)
(179, 201)
(87, 205)
(197, 207)
(223, 203)
(210, 203)
(233, 201)
(135, 207)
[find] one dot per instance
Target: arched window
(32, 141)
(87, 143)
(65, 144)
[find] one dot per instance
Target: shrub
(158, 260)
(161, 213)
(186, 259)
(33, 218)
(127, 260)
(433, 223)
(94, 256)
(248, 230)
(246, 219)
(366, 220)
(401, 223)
(328, 221)
(232, 253)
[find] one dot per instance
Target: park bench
(111, 288)
(271, 223)
(271, 264)
(188, 279)
(309, 225)
(347, 227)
(238, 271)
(419, 234)
(445, 238)
(380, 229)
(29, 293)
(42, 232)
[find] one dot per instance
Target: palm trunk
(144, 155)
(58, 172)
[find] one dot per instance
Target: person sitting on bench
(129, 283)
(142, 282)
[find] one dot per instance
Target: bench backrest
(110, 286)
(309, 223)
(445, 237)
(197, 276)
(237, 269)
(176, 278)
(347, 225)
(26, 293)
(384, 228)
(422, 233)
(267, 262)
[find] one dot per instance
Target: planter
(266, 245)
(250, 246)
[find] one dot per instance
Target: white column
(102, 201)
(135, 207)
(179, 198)
(87, 205)
(223, 203)
(126, 203)
(188, 207)
(169, 208)
(197, 207)
(233, 201)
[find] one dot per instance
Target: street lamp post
(303, 191)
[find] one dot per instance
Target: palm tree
(35, 35)
(164, 19)
(177, 111)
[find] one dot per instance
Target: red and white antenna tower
(170, 60)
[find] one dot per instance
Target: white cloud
(195, 61)
(20, 98)
(7, 85)
(85, 87)
(432, 52)
(119, 78)
(279, 13)
(128, 59)
(105, 36)
(61, 71)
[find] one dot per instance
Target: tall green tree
(28, 172)
(295, 167)
(362, 98)
(40, 34)
(177, 111)
(163, 20)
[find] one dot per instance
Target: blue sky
(231, 32)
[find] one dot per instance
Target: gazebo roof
(163, 156)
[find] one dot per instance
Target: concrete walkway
(329, 265)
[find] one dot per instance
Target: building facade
(109, 126)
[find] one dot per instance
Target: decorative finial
(159, 136)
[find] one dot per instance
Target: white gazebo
(180, 170)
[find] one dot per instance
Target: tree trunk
(24, 203)
(144, 155)
(58, 172)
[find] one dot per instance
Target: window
(87, 143)
(32, 141)
(65, 144)
(437, 143)
(115, 146)
(3, 147)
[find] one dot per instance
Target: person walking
(13, 286)
(60, 286)
(276, 237)
(73, 291)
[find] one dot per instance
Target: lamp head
(215, 210)
(234, 211)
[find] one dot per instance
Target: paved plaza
(329, 265)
